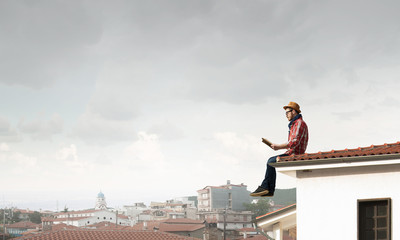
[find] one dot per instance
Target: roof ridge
(383, 149)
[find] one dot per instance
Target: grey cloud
(241, 52)
(7, 132)
(44, 40)
(95, 130)
(113, 107)
(41, 129)
(167, 131)
(233, 51)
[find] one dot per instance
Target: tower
(100, 202)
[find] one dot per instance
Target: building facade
(87, 217)
(228, 196)
(347, 194)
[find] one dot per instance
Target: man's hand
(278, 146)
(275, 146)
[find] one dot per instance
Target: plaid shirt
(298, 137)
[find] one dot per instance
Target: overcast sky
(152, 100)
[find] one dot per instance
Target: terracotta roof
(247, 230)
(278, 211)
(115, 227)
(62, 226)
(149, 225)
(172, 225)
(121, 216)
(105, 235)
(27, 225)
(183, 220)
(164, 227)
(385, 149)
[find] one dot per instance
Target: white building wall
(327, 202)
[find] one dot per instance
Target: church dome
(100, 195)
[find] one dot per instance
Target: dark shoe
(270, 194)
(260, 191)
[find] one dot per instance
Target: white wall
(327, 200)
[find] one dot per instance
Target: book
(266, 141)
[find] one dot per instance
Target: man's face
(290, 114)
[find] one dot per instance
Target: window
(374, 219)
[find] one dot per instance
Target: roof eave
(339, 160)
(276, 213)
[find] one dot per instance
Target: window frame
(376, 201)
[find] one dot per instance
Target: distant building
(16, 229)
(100, 202)
(190, 201)
(233, 220)
(134, 212)
(223, 206)
(86, 217)
(172, 209)
(228, 196)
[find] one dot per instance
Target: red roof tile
(385, 149)
(147, 225)
(247, 230)
(172, 225)
(62, 226)
(183, 220)
(164, 227)
(27, 225)
(105, 235)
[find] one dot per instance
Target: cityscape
(217, 212)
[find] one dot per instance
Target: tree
(35, 217)
(15, 217)
(261, 207)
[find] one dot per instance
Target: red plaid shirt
(298, 137)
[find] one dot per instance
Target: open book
(266, 141)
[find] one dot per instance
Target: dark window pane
(369, 235)
(382, 210)
(369, 211)
(369, 224)
(382, 234)
(381, 222)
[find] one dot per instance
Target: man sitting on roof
(297, 144)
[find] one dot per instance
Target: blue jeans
(270, 175)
